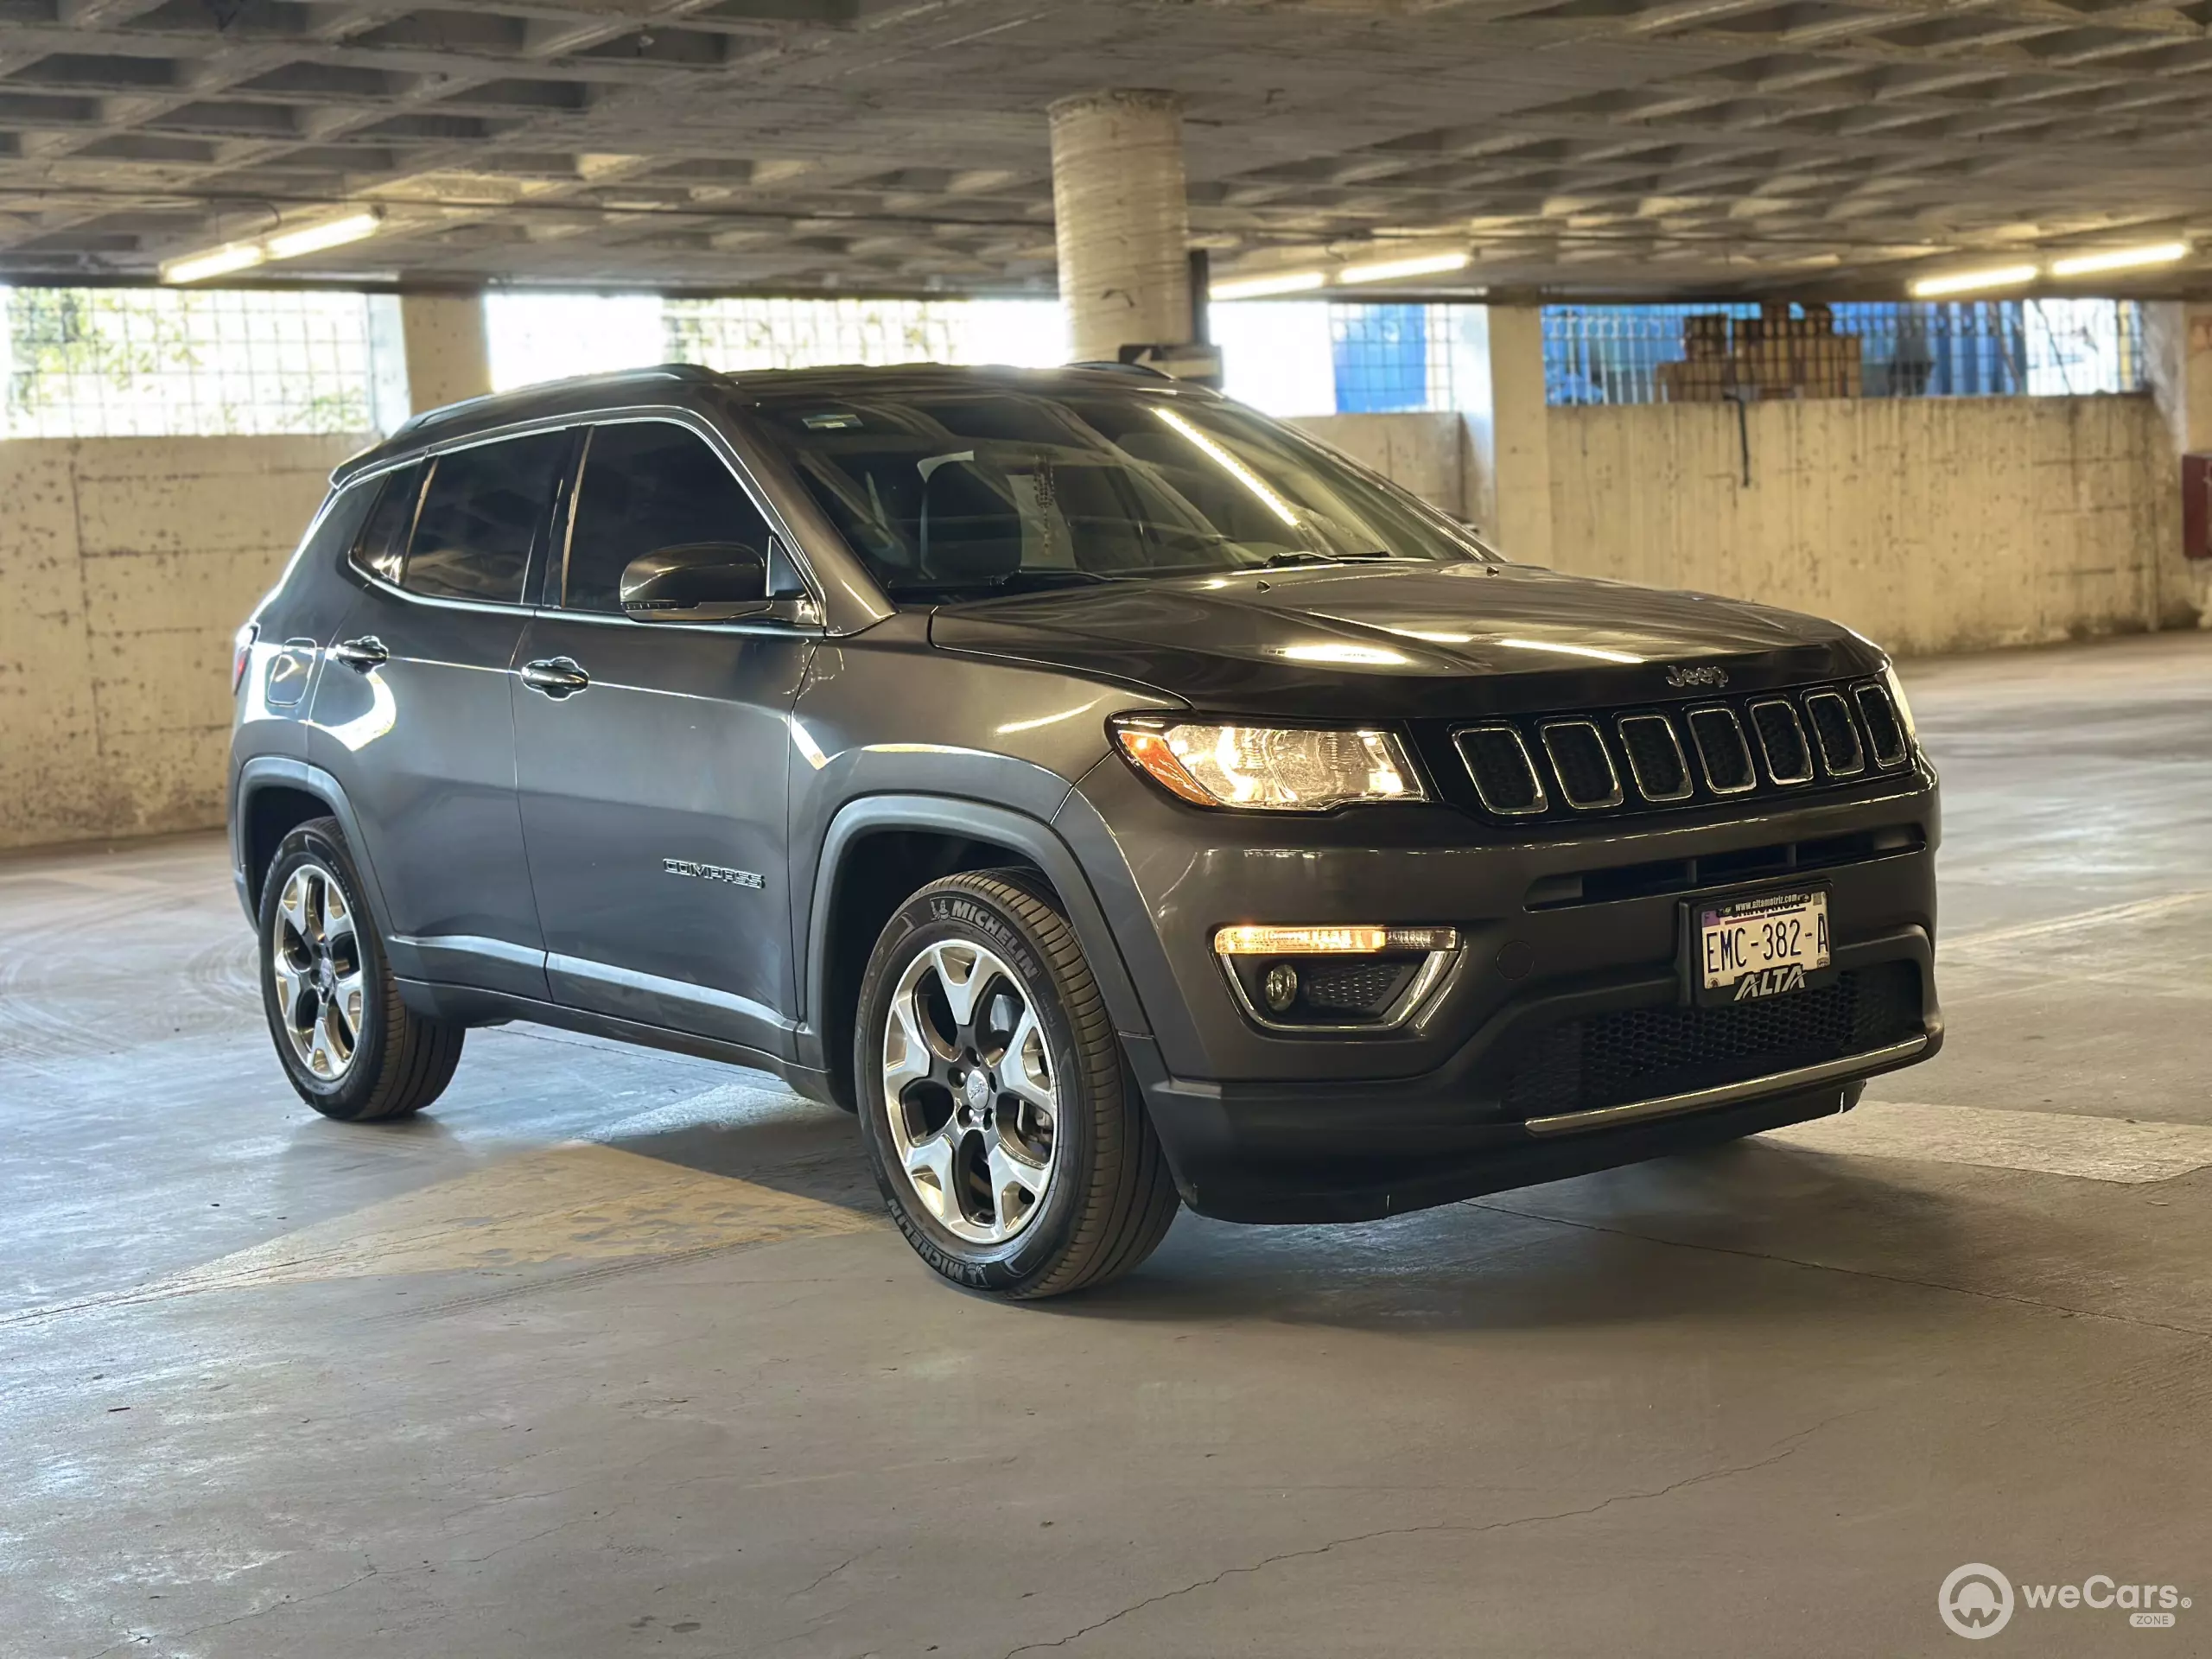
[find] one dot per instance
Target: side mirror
(696, 582)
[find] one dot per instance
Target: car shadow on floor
(767, 1137)
(1747, 1233)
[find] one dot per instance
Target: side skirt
(471, 1006)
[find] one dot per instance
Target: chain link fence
(117, 362)
(1704, 354)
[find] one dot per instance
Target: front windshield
(1009, 487)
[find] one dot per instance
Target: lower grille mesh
(1358, 987)
(1609, 1059)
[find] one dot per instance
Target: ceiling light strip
(282, 245)
(2088, 264)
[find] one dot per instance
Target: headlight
(1896, 687)
(1273, 768)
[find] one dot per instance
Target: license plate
(1767, 945)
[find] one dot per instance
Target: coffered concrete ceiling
(1587, 146)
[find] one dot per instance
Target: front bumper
(1499, 1081)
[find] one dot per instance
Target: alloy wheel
(968, 1084)
(315, 958)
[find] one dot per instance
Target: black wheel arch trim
(263, 772)
(1031, 837)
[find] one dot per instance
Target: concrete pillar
(1122, 221)
(2177, 361)
(1498, 371)
(447, 358)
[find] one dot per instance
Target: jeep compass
(1118, 800)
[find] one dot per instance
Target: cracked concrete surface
(1754, 1401)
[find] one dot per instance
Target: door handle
(362, 654)
(555, 677)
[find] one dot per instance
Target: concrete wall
(1430, 454)
(1928, 524)
(125, 564)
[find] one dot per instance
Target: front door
(412, 713)
(652, 759)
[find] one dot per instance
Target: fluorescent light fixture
(1254, 288)
(1385, 270)
(221, 261)
(284, 244)
(1969, 282)
(332, 233)
(2088, 264)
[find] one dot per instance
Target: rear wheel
(1008, 1143)
(350, 1046)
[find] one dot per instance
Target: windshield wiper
(1307, 555)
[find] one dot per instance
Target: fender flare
(1033, 838)
(286, 772)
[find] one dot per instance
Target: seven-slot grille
(1642, 759)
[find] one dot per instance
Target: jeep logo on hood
(1708, 674)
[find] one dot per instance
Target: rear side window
(649, 484)
(383, 546)
(480, 517)
(339, 529)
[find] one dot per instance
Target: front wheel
(1008, 1143)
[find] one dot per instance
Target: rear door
(413, 715)
(652, 758)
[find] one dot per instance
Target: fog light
(1353, 940)
(1342, 977)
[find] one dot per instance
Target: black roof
(689, 384)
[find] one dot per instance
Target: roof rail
(1145, 369)
(698, 373)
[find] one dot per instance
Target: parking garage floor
(615, 1354)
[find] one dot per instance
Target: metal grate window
(765, 333)
(1710, 353)
(1390, 358)
(116, 362)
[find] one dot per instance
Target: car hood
(1370, 641)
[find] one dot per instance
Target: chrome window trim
(808, 625)
(1705, 766)
(1535, 778)
(1636, 772)
(1617, 798)
(673, 414)
(1767, 754)
(1851, 723)
(724, 452)
(1727, 1094)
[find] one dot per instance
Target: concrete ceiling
(1589, 146)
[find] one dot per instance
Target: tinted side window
(481, 515)
(383, 542)
(649, 484)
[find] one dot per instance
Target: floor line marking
(2043, 1144)
(2134, 910)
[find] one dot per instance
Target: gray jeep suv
(1113, 796)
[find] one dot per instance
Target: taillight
(242, 653)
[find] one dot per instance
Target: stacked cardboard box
(1771, 355)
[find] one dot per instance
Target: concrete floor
(615, 1355)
